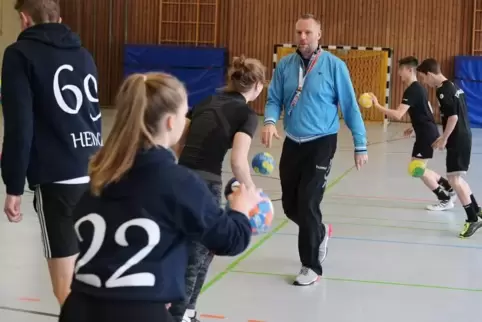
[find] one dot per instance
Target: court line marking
(275, 230)
(388, 241)
(379, 198)
(263, 240)
(388, 226)
(212, 316)
(339, 215)
(7, 308)
(344, 202)
(29, 299)
(406, 152)
(342, 279)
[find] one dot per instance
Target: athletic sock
(445, 184)
(191, 313)
(474, 203)
(441, 194)
(471, 214)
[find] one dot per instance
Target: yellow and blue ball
(261, 216)
(416, 168)
(263, 163)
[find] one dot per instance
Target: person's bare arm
(241, 145)
(239, 159)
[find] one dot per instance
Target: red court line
(29, 299)
(380, 198)
(222, 317)
(212, 316)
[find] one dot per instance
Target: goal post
(370, 71)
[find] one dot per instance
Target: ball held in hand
(261, 216)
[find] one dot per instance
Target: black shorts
(54, 204)
(458, 159)
(83, 308)
(422, 149)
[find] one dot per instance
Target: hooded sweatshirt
(51, 113)
(134, 237)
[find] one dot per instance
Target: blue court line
(394, 241)
(407, 152)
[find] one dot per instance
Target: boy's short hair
(41, 11)
(409, 61)
(429, 65)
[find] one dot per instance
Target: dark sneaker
(470, 228)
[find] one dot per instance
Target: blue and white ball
(263, 163)
(261, 216)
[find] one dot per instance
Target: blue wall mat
(468, 76)
(201, 69)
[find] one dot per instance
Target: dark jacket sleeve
(198, 215)
(17, 120)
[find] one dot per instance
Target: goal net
(370, 70)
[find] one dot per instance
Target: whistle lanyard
(302, 78)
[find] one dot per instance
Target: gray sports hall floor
(389, 259)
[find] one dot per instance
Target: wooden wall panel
(439, 28)
(119, 38)
(105, 26)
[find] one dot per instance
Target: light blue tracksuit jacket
(316, 113)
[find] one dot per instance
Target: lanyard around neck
(302, 76)
(311, 64)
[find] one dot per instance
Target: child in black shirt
(415, 102)
(456, 138)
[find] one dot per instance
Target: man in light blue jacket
(309, 85)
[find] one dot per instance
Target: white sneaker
(324, 243)
(453, 196)
(190, 316)
(441, 206)
(306, 277)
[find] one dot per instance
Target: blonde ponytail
(141, 102)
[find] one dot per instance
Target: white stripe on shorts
(43, 225)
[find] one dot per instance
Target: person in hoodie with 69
(52, 126)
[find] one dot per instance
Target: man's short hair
(41, 11)
(409, 61)
(429, 65)
(308, 16)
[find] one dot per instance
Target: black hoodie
(146, 221)
(50, 108)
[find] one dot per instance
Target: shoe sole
(329, 233)
(444, 209)
(296, 283)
